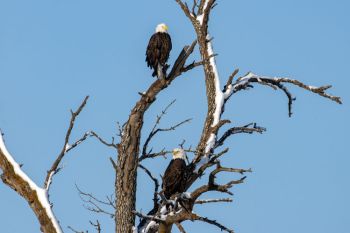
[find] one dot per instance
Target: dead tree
(129, 154)
(206, 155)
(36, 196)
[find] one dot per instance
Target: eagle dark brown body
(158, 51)
(174, 179)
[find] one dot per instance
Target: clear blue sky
(53, 53)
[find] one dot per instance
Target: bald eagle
(158, 50)
(175, 176)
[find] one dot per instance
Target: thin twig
(54, 168)
(96, 225)
(111, 144)
(213, 200)
(195, 4)
(185, 9)
(94, 203)
(156, 185)
(180, 227)
(213, 222)
(212, 186)
(80, 140)
(146, 154)
(229, 81)
(113, 163)
(163, 153)
(248, 129)
(195, 64)
(72, 229)
(158, 119)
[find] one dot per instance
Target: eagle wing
(173, 179)
(165, 48)
(153, 51)
(158, 50)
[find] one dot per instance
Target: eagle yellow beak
(166, 27)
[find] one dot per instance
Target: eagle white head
(179, 153)
(162, 28)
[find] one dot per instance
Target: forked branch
(277, 83)
(94, 204)
(248, 129)
(148, 154)
(66, 147)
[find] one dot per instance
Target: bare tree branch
(37, 197)
(164, 112)
(185, 9)
(147, 154)
(96, 225)
(249, 129)
(194, 6)
(163, 153)
(156, 185)
(201, 167)
(192, 66)
(179, 64)
(243, 82)
(150, 155)
(195, 64)
(66, 147)
(80, 140)
(75, 231)
(113, 164)
(212, 186)
(180, 227)
(94, 203)
(111, 144)
(152, 134)
(230, 79)
(212, 222)
(213, 200)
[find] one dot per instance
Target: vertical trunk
(129, 147)
(210, 90)
(128, 151)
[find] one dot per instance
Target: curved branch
(277, 82)
(37, 197)
(235, 130)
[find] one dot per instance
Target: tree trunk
(129, 147)
(128, 151)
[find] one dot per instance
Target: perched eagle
(158, 50)
(174, 179)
